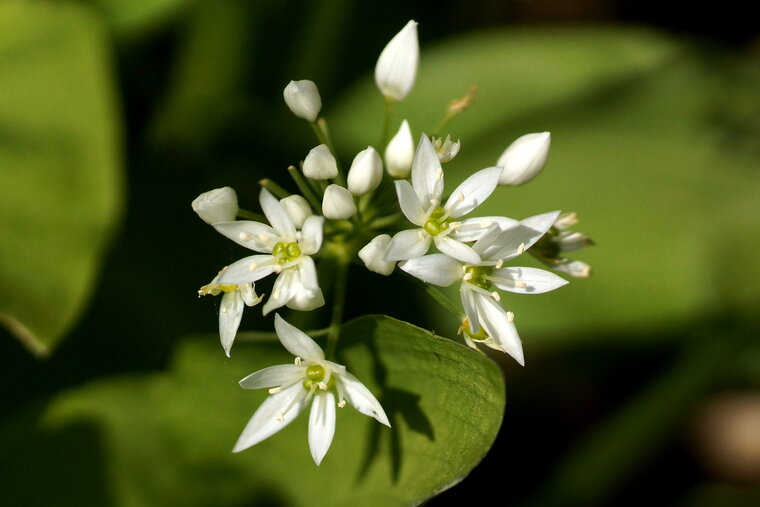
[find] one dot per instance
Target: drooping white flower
(487, 321)
(366, 172)
(302, 97)
(285, 251)
(218, 205)
(298, 208)
(559, 240)
(446, 149)
(320, 164)
(420, 202)
(399, 153)
(231, 307)
(396, 68)
(373, 255)
(293, 386)
(338, 203)
(524, 158)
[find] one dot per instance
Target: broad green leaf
(166, 438)
(59, 166)
(135, 17)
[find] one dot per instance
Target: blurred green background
(641, 383)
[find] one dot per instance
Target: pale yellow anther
(520, 284)
(275, 390)
(510, 317)
(244, 236)
(341, 403)
(439, 174)
(467, 277)
(263, 237)
(277, 268)
(496, 296)
(322, 386)
(224, 309)
(252, 266)
(521, 249)
(276, 294)
(297, 361)
(281, 417)
(435, 202)
(461, 197)
(455, 225)
(421, 234)
(499, 263)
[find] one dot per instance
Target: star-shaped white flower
(293, 386)
(487, 321)
(420, 202)
(231, 308)
(286, 251)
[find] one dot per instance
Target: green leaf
(167, 437)
(136, 17)
(59, 166)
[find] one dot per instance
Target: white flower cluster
(335, 212)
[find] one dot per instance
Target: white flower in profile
(338, 203)
(420, 202)
(399, 153)
(524, 158)
(373, 255)
(396, 68)
(557, 241)
(286, 251)
(218, 205)
(303, 100)
(366, 172)
(486, 320)
(446, 149)
(231, 307)
(292, 386)
(320, 164)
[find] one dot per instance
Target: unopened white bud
(446, 150)
(366, 172)
(320, 164)
(218, 205)
(396, 68)
(302, 97)
(524, 158)
(338, 203)
(566, 220)
(298, 209)
(373, 255)
(399, 154)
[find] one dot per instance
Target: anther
(253, 266)
(499, 263)
(341, 403)
(439, 174)
(244, 236)
(496, 296)
(510, 317)
(224, 309)
(461, 197)
(322, 386)
(521, 249)
(281, 417)
(275, 390)
(298, 361)
(520, 284)
(276, 294)
(485, 223)
(276, 268)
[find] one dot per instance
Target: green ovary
(316, 374)
(286, 252)
(478, 276)
(436, 224)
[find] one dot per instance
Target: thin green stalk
(439, 297)
(250, 215)
(273, 187)
(386, 123)
(305, 189)
(339, 302)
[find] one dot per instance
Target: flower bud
(373, 255)
(399, 153)
(524, 158)
(218, 205)
(366, 172)
(338, 203)
(446, 150)
(320, 164)
(297, 208)
(396, 68)
(302, 97)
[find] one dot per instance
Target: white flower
(396, 68)
(373, 255)
(524, 158)
(218, 205)
(231, 308)
(302, 97)
(366, 172)
(486, 320)
(320, 164)
(446, 149)
(420, 202)
(399, 153)
(293, 386)
(298, 209)
(338, 203)
(286, 252)
(558, 240)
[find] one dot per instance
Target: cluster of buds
(337, 217)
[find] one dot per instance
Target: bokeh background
(641, 383)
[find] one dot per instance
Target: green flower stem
(438, 296)
(305, 189)
(323, 135)
(273, 187)
(386, 123)
(339, 302)
(384, 222)
(250, 215)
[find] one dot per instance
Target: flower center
(478, 276)
(437, 222)
(286, 252)
(315, 374)
(466, 329)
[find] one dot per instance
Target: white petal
(472, 192)
(410, 203)
(500, 326)
(456, 249)
(408, 244)
(274, 414)
(373, 255)
(321, 424)
(537, 281)
(338, 203)
(298, 208)
(437, 269)
(472, 229)
(273, 376)
(578, 269)
(427, 174)
(306, 301)
(247, 270)
(218, 205)
(361, 398)
(365, 173)
(302, 97)
(524, 158)
(254, 235)
(573, 241)
(396, 68)
(514, 241)
(399, 153)
(230, 313)
(307, 272)
(296, 341)
(277, 216)
(311, 235)
(285, 287)
(248, 294)
(468, 303)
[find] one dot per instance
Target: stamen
(276, 294)
(253, 266)
(244, 236)
(496, 296)
(281, 417)
(277, 268)
(224, 309)
(439, 175)
(421, 234)
(510, 317)
(435, 202)
(520, 284)
(499, 263)
(461, 197)
(263, 237)
(275, 390)
(322, 386)
(521, 249)
(298, 361)
(485, 223)
(467, 276)
(341, 403)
